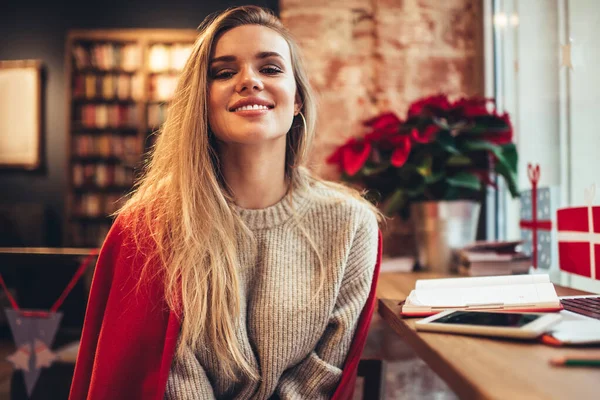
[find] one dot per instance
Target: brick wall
(367, 56)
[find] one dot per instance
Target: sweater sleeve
(188, 380)
(318, 375)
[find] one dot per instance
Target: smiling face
(251, 89)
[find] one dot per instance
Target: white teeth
(252, 107)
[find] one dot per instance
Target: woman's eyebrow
(261, 55)
(267, 54)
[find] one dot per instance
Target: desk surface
(476, 367)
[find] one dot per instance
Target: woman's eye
(223, 75)
(271, 70)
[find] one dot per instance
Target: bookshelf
(119, 84)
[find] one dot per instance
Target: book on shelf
(157, 114)
(102, 175)
(533, 293)
(97, 205)
(162, 87)
(107, 56)
(499, 246)
(168, 57)
(491, 259)
(107, 115)
(105, 145)
(121, 82)
(108, 87)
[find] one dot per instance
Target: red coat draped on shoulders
(129, 336)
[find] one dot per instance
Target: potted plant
(434, 165)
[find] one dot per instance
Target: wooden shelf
(88, 129)
(103, 100)
(92, 220)
(100, 189)
(101, 71)
(165, 72)
(81, 46)
(100, 159)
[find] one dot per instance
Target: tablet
(485, 323)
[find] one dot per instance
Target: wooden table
(485, 368)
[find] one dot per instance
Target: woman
(231, 272)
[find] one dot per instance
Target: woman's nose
(249, 81)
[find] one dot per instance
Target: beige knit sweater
(298, 347)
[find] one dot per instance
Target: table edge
(459, 383)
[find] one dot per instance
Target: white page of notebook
(577, 330)
(522, 294)
(485, 281)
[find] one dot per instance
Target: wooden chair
(373, 371)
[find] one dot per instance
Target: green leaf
(509, 153)
(434, 177)
(478, 145)
(368, 170)
(510, 177)
(458, 160)
(453, 193)
(506, 164)
(497, 150)
(465, 180)
(396, 201)
(411, 181)
(416, 191)
(407, 170)
(446, 140)
(425, 167)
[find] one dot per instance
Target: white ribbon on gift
(592, 237)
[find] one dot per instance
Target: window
(541, 62)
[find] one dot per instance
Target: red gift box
(579, 240)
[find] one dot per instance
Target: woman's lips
(252, 113)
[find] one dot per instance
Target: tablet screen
(487, 319)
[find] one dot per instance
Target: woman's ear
(297, 104)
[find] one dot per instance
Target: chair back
(345, 389)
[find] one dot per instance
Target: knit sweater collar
(293, 202)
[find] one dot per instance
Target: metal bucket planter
(440, 227)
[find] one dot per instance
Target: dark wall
(37, 30)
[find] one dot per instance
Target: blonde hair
(181, 203)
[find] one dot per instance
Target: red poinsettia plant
(444, 150)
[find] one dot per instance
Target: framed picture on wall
(20, 114)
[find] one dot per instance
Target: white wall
(554, 108)
(537, 90)
(583, 96)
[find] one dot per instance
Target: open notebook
(517, 292)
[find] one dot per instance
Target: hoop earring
(293, 142)
(303, 121)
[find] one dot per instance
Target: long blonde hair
(182, 205)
